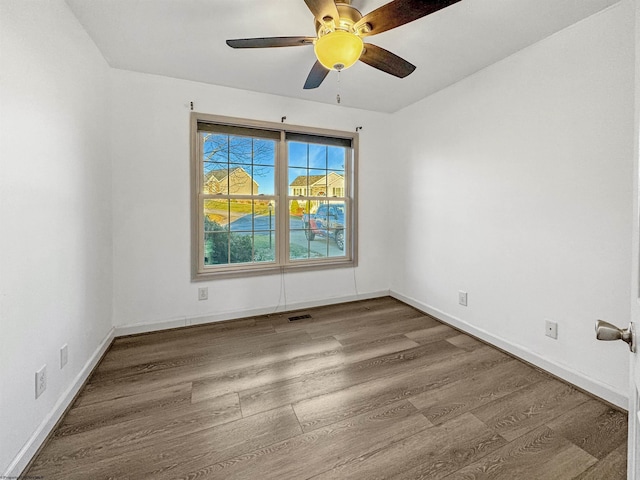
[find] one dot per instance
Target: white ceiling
(186, 39)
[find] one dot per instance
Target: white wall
(55, 215)
(521, 195)
(150, 153)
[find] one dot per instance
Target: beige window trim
(283, 195)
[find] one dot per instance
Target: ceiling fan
(340, 28)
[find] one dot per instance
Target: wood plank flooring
(364, 390)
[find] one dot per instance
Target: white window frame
(283, 195)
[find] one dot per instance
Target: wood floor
(371, 389)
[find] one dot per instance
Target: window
(268, 197)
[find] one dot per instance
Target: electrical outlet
(64, 355)
(203, 293)
(41, 380)
(462, 298)
(551, 329)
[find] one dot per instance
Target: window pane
(319, 234)
(238, 181)
(304, 244)
(297, 154)
(336, 158)
(215, 147)
(263, 180)
(296, 209)
(240, 215)
(231, 165)
(318, 156)
(216, 247)
(299, 245)
(316, 170)
(264, 246)
(229, 179)
(317, 183)
(337, 221)
(335, 183)
(240, 150)
(241, 247)
(264, 215)
(214, 177)
(264, 234)
(239, 231)
(216, 212)
(264, 152)
(299, 232)
(298, 181)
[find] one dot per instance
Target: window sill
(253, 271)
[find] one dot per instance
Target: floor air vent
(299, 317)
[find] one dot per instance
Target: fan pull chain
(338, 95)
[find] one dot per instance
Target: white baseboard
(231, 315)
(564, 372)
(24, 456)
(167, 324)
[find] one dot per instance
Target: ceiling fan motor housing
(348, 17)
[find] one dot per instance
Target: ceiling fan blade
(316, 76)
(267, 42)
(322, 9)
(386, 61)
(399, 12)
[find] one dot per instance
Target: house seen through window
(269, 198)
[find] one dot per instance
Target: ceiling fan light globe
(338, 50)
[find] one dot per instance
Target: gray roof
(301, 181)
(221, 173)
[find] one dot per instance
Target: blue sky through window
(309, 155)
(257, 157)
